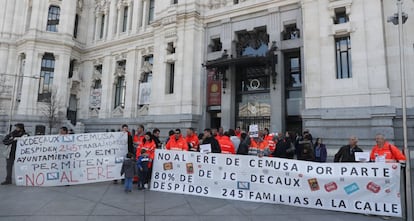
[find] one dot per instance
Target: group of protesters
(142, 145)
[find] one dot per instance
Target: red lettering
(71, 178)
(39, 180)
(100, 173)
(88, 173)
(64, 176)
(108, 171)
(30, 179)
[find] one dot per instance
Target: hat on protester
(20, 126)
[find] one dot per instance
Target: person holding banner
(209, 139)
(192, 140)
(347, 153)
(11, 141)
(383, 151)
(177, 142)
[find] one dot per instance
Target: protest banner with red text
(71, 159)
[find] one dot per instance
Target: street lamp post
(399, 19)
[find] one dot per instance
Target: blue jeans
(128, 184)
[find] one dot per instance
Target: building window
(53, 18)
(75, 29)
(340, 16)
(170, 78)
(215, 45)
(290, 31)
(97, 84)
(71, 67)
(174, 2)
(46, 78)
(343, 57)
(125, 19)
(101, 33)
(252, 43)
(149, 59)
(236, 2)
(170, 48)
(120, 88)
(151, 11)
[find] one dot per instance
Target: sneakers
(6, 182)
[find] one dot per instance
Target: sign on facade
(95, 101)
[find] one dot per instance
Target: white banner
(368, 188)
(57, 160)
(144, 93)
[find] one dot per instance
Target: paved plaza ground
(107, 201)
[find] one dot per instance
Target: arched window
(120, 88)
(53, 18)
(46, 77)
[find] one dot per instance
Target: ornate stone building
(282, 64)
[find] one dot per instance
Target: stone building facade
(331, 66)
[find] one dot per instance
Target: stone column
(108, 70)
(85, 92)
(97, 26)
(130, 78)
(36, 12)
(119, 20)
(105, 33)
(67, 17)
(8, 18)
(130, 9)
(30, 86)
(227, 99)
(135, 15)
(277, 95)
(145, 9)
(60, 81)
(112, 19)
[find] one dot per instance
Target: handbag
(6, 151)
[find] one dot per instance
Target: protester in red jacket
(192, 140)
(226, 145)
(385, 151)
(177, 142)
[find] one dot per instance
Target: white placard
(254, 130)
(367, 188)
(205, 148)
(57, 160)
(362, 156)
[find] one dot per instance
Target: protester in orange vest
(263, 145)
(270, 140)
(192, 140)
(148, 144)
(139, 136)
(226, 145)
(385, 152)
(177, 142)
(253, 147)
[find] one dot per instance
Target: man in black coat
(347, 152)
(11, 139)
(209, 139)
(282, 146)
